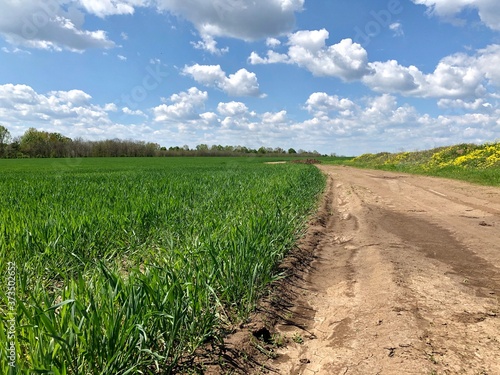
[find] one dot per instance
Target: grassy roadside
(468, 162)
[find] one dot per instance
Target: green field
(126, 266)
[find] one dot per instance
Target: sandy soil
(404, 279)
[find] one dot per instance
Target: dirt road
(406, 279)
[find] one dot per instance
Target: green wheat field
(126, 266)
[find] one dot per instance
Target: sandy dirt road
(406, 279)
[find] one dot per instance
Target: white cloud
(241, 83)
(47, 25)
(488, 61)
(308, 49)
(15, 50)
(209, 44)
(232, 109)
(185, 106)
(380, 108)
(209, 75)
(455, 76)
(274, 117)
(130, 112)
(397, 28)
(70, 113)
(272, 58)
(391, 77)
(321, 104)
(488, 10)
(121, 57)
(479, 105)
(272, 42)
(103, 8)
(235, 18)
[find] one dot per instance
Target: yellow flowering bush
(485, 157)
(448, 155)
(397, 158)
(463, 155)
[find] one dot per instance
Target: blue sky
(336, 76)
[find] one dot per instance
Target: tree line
(42, 144)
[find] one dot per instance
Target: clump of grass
(297, 338)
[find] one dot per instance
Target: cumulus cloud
(274, 117)
(232, 109)
(272, 42)
(389, 76)
(185, 106)
(488, 61)
(488, 10)
(478, 105)
(272, 58)
(58, 24)
(321, 104)
(131, 112)
(103, 8)
(241, 83)
(308, 49)
(71, 113)
(47, 25)
(236, 18)
(372, 121)
(455, 76)
(380, 107)
(56, 104)
(458, 76)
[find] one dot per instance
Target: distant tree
(12, 150)
(217, 148)
(202, 147)
(34, 143)
(4, 139)
(241, 149)
(292, 151)
(262, 150)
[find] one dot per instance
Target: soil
(397, 274)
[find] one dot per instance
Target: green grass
(129, 265)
